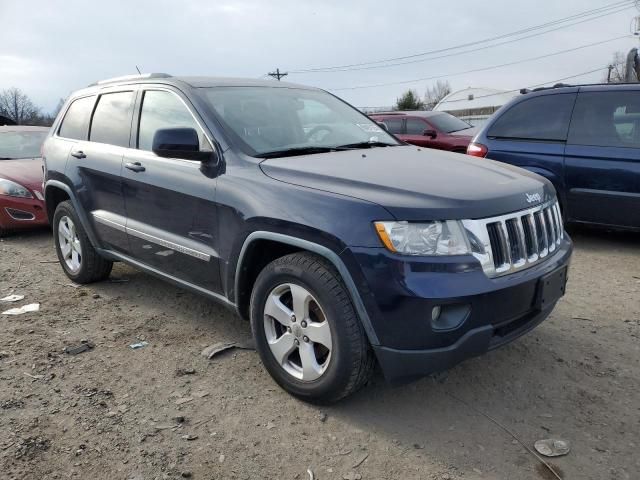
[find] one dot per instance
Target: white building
(475, 105)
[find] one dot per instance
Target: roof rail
(524, 91)
(130, 77)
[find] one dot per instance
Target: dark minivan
(340, 244)
(584, 139)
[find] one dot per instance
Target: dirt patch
(165, 411)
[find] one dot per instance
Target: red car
(429, 129)
(21, 198)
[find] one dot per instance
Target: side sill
(118, 257)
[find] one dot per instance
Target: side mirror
(179, 143)
(429, 132)
(383, 126)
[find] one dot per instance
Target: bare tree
(616, 69)
(18, 107)
(436, 93)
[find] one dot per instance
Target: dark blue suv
(342, 245)
(584, 139)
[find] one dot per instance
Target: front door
(170, 202)
(602, 158)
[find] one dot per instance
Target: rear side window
(415, 126)
(394, 125)
(162, 109)
(112, 119)
(608, 119)
(539, 118)
(76, 121)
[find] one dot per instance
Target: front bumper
(400, 293)
(19, 213)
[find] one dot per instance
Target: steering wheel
(319, 128)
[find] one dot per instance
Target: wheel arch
(281, 244)
(56, 192)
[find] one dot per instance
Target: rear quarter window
(75, 123)
(544, 118)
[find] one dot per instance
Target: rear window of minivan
(542, 118)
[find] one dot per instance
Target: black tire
(93, 267)
(352, 361)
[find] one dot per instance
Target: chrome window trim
(548, 212)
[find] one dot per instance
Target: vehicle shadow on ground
(596, 238)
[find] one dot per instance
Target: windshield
(447, 123)
(15, 145)
(266, 120)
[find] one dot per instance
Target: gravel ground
(164, 411)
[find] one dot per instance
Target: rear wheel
(78, 258)
(306, 330)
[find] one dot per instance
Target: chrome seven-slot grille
(518, 240)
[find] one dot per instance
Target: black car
(584, 139)
(342, 245)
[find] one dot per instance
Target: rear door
(95, 164)
(170, 202)
(603, 157)
(532, 134)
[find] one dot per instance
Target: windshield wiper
(368, 144)
(6, 158)
(291, 152)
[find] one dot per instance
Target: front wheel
(306, 329)
(78, 258)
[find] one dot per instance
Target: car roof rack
(524, 91)
(124, 78)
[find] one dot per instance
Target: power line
(454, 54)
(558, 80)
(482, 69)
(593, 14)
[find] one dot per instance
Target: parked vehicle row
(341, 244)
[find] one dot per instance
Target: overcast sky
(50, 48)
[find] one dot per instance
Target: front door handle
(135, 166)
(78, 154)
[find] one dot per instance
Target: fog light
(435, 313)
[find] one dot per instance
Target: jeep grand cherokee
(340, 244)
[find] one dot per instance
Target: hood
(416, 184)
(467, 132)
(25, 171)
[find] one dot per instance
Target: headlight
(432, 238)
(13, 189)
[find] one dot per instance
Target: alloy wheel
(297, 332)
(69, 243)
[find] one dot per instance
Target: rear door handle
(135, 166)
(78, 154)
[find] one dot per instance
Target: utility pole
(277, 74)
(610, 67)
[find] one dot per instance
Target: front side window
(544, 118)
(394, 125)
(415, 126)
(112, 119)
(608, 119)
(269, 120)
(160, 110)
(21, 144)
(75, 124)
